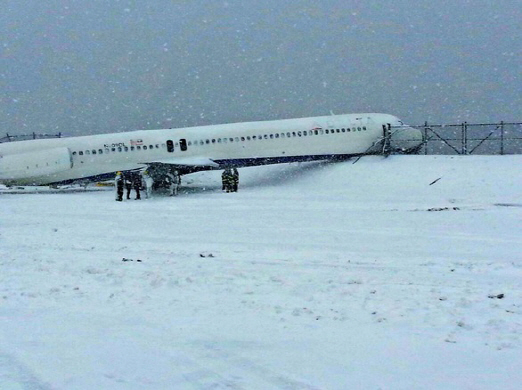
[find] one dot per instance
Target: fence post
(501, 138)
(464, 150)
(426, 138)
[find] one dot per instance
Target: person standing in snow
(136, 184)
(227, 179)
(119, 184)
(172, 184)
(148, 182)
(177, 181)
(235, 180)
(127, 179)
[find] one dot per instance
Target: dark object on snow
(126, 259)
(499, 296)
(443, 208)
(436, 180)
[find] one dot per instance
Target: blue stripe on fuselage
(226, 163)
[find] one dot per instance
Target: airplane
(186, 150)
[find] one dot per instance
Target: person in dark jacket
(119, 184)
(136, 184)
(235, 180)
(127, 178)
(227, 179)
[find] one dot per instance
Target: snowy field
(312, 276)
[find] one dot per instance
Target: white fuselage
(55, 160)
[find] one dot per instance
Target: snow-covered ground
(312, 276)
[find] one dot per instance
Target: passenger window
(114, 149)
(100, 151)
(242, 138)
(213, 140)
(74, 153)
(126, 148)
(132, 148)
(144, 147)
(271, 136)
(107, 150)
(299, 133)
(87, 152)
(237, 139)
(120, 149)
(94, 151)
(265, 136)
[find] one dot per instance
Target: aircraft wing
(183, 165)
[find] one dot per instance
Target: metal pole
(426, 138)
(501, 138)
(464, 138)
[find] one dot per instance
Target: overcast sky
(84, 67)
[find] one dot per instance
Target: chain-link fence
(472, 138)
(25, 137)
